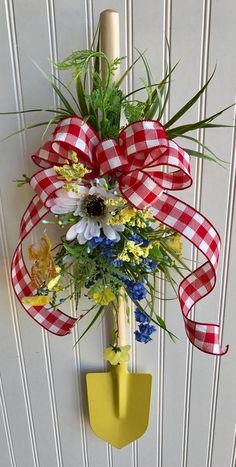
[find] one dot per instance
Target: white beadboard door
(43, 409)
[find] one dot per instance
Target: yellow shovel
(119, 401)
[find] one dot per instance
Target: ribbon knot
(145, 164)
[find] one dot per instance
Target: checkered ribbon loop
(136, 161)
(53, 320)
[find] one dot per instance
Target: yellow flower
(36, 300)
(104, 297)
(51, 285)
(116, 355)
(133, 252)
(175, 243)
(127, 213)
(75, 171)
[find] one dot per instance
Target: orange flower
(43, 268)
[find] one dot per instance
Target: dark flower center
(94, 206)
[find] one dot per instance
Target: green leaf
(56, 89)
(162, 324)
(119, 82)
(147, 67)
(91, 323)
(28, 127)
(202, 155)
(73, 250)
(139, 89)
(68, 90)
(205, 123)
(81, 97)
(21, 112)
(195, 140)
(155, 253)
(175, 256)
(190, 103)
(156, 99)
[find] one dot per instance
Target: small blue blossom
(147, 329)
(108, 253)
(144, 333)
(148, 264)
(136, 290)
(140, 316)
(141, 337)
(137, 239)
(106, 242)
(95, 241)
(118, 263)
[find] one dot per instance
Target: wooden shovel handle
(110, 45)
(121, 328)
(110, 39)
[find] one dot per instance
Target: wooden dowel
(110, 45)
(110, 38)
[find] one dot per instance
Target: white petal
(72, 232)
(78, 211)
(119, 227)
(65, 202)
(61, 209)
(81, 238)
(81, 226)
(109, 231)
(62, 193)
(117, 237)
(83, 190)
(88, 231)
(95, 190)
(95, 229)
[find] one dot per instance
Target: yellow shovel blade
(119, 404)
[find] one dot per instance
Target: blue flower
(106, 242)
(148, 264)
(142, 338)
(147, 329)
(144, 333)
(137, 239)
(95, 241)
(136, 290)
(118, 263)
(140, 316)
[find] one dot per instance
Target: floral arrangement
(107, 185)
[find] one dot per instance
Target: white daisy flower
(89, 204)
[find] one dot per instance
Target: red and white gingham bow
(137, 162)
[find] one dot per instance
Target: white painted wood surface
(43, 412)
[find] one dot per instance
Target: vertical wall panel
(43, 408)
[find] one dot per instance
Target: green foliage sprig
(102, 102)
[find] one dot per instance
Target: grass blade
(81, 97)
(28, 127)
(68, 90)
(190, 103)
(180, 130)
(118, 83)
(202, 155)
(56, 89)
(21, 112)
(91, 323)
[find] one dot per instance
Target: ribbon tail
(200, 232)
(53, 320)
